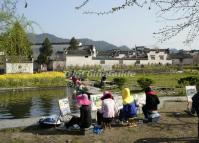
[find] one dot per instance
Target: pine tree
(45, 52)
(73, 44)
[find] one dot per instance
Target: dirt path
(175, 126)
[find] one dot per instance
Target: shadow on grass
(165, 140)
(167, 125)
(180, 115)
(52, 131)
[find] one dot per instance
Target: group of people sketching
(109, 111)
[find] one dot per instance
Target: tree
(15, 42)
(45, 52)
(73, 44)
(8, 14)
(184, 13)
(13, 38)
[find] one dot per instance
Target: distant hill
(100, 45)
(173, 50)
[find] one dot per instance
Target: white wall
(79, 60)
(121, 56)
(129, 62)
(19, 67)
(111, 62)
(58, 65)
(82, 60)
(144, 62)
(184, 62)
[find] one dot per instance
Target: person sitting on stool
(108, 110)
(150, 109)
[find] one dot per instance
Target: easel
(190, 92)
(64, 108)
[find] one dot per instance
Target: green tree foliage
(73, 44)
(144, 82)
(45, 52)
(7, 14)
(15, 42)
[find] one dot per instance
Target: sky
(133, 26)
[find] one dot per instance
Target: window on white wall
(137, 62)
(120, 61)
(152, 57)
(161, 57)
(102, 62)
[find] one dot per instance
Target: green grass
(168, 80)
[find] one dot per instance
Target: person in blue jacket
(129, 106)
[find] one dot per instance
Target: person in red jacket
(151, 105)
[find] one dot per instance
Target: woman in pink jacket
(108, 109)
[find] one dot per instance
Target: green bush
(119, 81)
(190, 80)
(144, 82)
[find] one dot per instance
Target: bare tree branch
(184, 12)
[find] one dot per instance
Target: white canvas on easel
(118, 101)
(140, 99)
(190, 92)
(96, 101)
(64, 106)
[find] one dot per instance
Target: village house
(84, 55)
(87, 55)
(57, 59)
(182, 58)
(195, 55)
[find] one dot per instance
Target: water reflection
(31, 103)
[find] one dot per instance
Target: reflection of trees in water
(72, 98)
(46, 103)
(19, 109)
(35, 109)
(29, 103)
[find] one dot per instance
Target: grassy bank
(32, 80)
(175, 126)
(161, 80)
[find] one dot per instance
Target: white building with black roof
(88, 55)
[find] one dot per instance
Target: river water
(34, 103)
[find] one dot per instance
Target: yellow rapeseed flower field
(44, 78)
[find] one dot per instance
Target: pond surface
(24, 104)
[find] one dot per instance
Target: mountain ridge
(100, 45)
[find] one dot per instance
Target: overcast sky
(132, 26)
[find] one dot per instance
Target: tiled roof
(85, 50)
(56, 47)
(59, 48)
(180, 56)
